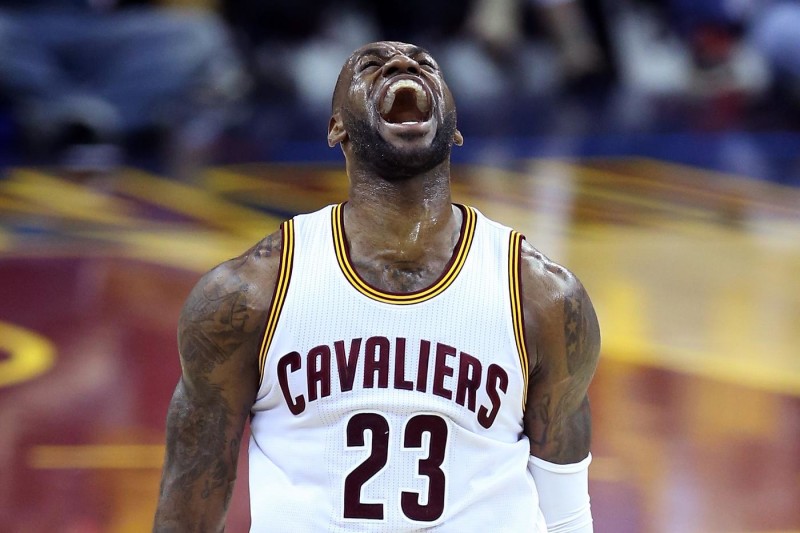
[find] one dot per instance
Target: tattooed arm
(563, 340)
(219, 333)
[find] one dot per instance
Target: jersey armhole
(278, 295)
(517, 316)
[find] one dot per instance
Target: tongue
(404, 108)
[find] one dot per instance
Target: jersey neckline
(449, 274)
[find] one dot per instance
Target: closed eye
(427, 64)
(368, 65)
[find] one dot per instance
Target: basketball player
(406, 363)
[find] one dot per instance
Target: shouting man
(406, 363)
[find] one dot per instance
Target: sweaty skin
(402, 228)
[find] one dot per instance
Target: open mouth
(405, 102)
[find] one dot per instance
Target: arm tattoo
(540, 412)
(560, 419)
(267, 247)
(574, 333)
(562, 436)
(220, 319)
(201, 459)
(217, 325)
(198, 443)
(205, 417)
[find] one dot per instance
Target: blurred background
(652, 146)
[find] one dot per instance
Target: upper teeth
(422, 97)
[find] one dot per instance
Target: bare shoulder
(224, 315)
(557, 311)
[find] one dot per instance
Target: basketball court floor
(694, 268)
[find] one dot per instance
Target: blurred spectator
(295, 47)
(296, 44)
(268, 31)
(774, 31)
(718, 30)
(577, 31)
(503, 38)
(520, 47)
(84, 75)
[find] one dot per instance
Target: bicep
(557, 417)
(218, 335)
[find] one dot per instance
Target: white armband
(563, 495)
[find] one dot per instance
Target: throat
(401, 277)
(410, 257)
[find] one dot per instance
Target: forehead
(383, 49)
(387, 49)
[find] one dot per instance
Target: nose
(401, 64)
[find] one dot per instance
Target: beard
(391, 162)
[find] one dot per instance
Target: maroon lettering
(400, 381)
(376, 360)
(290, 362)
(379, 359)
(496, 378)
(346, 364)
(318, 371)
(422, 368)
(441, 370)
(469, 380)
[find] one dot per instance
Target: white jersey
(392, 412)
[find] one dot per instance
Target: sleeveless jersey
(381, 411)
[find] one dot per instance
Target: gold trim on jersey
(451, 271)
(279, 296)
(517, 316)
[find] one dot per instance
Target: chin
(401, 151)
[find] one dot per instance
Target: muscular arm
(563, 340)
(219, 333)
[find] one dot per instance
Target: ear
(458, 139)
(336, 131)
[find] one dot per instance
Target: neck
(401, 220)
(390, 205)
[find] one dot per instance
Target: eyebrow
(384, 52)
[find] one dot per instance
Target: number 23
(429, 466)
